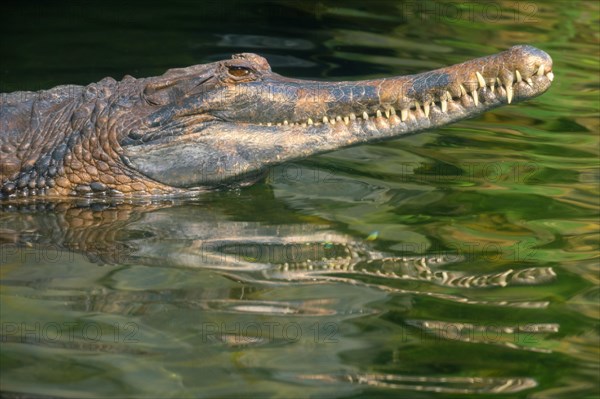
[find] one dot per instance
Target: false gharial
(226, 122)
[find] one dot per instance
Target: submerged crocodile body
(226, 122)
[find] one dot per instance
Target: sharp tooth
(404, 114)
(448, 96)
(499, 81)
(338, 118)
(325, 120)
(332, 121)
(509, 93)
(285, 122)
(304, 125)
(463, 91)
(387, 113)
(550, 76)
(493, 88)
(475, 97)
(426, 109)
(518, 75)
(310, 121)
(378, 113)
(444, 105)
(352, 117)
(529, 81)
(393, 111)
(279, 124)
(346, 120)
(480, 79)
(540, 71)
(269, 124)
(365, 116)
(417, 106)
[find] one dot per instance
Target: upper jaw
(466, 89)
(398, 104)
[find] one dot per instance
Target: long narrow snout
(469, 88)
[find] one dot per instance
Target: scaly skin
(225, 122)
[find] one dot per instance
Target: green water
(194, 298)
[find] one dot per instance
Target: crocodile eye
(239, 71)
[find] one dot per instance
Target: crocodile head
(225, 122)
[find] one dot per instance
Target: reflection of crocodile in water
(226, 122)
(210, 238)
(195, 237)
